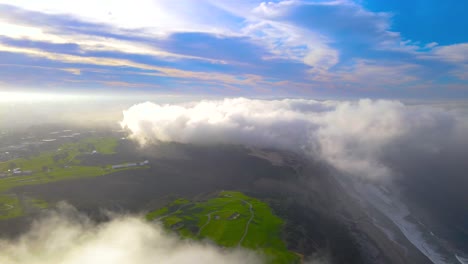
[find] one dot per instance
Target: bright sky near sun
(322, 48)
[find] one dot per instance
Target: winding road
(246, 230)
(207, 222)
(180, 208)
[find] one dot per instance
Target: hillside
(231, 219)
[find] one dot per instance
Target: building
(146, 162)
(18, 171)
(122, 166)
(128, 165)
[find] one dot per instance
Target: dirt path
(246, 230)
(176, 211)
(207, 222)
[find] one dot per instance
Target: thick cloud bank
(353, 136)
(67, 237)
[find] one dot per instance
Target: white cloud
(27, 32)
(158, 17)
(321, 58)
(457, 53)
(374, 73)
(351, 136)
(87, 43)
(67, 237)
(246, 79)
(267, 24)
(316, 41)
(290, 42)
(161, 18)
(273, 9)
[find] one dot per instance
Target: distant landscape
(64, 162)
(174, 184)
(272, 202)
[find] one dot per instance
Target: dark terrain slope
(320, 218)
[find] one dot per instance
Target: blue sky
(317, 48)
(426, 21)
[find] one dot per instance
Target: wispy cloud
(248, 43)
(114, 62)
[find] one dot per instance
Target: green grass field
(52, 166)
(232, 219)
(9, 206)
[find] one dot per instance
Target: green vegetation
(101, 145)
(65, 156)
(157, 213)
(10, 206)
(38, 203)
(231, 219)
(58, 165)
(52, 166)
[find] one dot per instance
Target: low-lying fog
(66, 236)
(19, 110)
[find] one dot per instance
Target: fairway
(231, 219)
